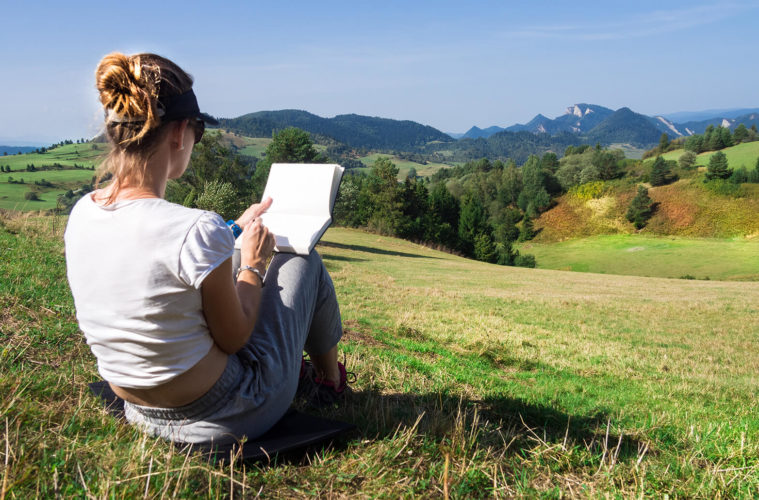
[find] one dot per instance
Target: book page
(305, 189)
(295, 233)
(303, 196)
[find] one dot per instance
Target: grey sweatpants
(299, 311)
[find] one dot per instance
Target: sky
(448, 64)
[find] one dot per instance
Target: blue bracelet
(236, 231)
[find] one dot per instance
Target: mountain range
(625, 125)
(580, 124)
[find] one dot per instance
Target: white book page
(295, 234)
(302, 196)
(304, 189)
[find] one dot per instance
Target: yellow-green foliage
(588, 191)
(685, 208)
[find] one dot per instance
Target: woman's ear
(177, 134)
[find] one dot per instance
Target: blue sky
(449, 64)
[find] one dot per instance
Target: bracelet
(236, 230)
(254, 271)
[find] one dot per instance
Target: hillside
(493, 381)
(352, 130)
(685, 208)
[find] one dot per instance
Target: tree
(472, 222)
(606, 164)
(220, 197)
(384, 197)
(291, 145)
(527, 231)
(753, 176)
(687, 159)
(484, 248)
(740, 134)
(640, 209)
(718, 167)
(444, 217)
(659, 172)
(739, 175)
(663, 143)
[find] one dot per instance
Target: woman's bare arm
(231, 310)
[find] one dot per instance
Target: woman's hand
(254, 212)
(257, 244)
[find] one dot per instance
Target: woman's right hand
(257, 245)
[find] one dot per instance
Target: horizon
(442, 64)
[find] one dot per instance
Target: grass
(63, 178)
(644, 255)
(474, 381)
(745, 154)
(404, 166)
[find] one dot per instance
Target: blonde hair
(130, 89)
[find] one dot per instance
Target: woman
(153, 282)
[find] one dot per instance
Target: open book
(303, 196)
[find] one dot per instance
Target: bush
(588, 191)
(220, 197)
(31, 196)
(641, 208)
(525, 260)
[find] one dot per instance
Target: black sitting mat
(295, 430)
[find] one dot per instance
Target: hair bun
(128, 88)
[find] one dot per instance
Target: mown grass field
(656, 256)
(404, 166)
(474, 380)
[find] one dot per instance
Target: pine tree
(718, 167)
(659, 172)
(740, 134)
(641, 208)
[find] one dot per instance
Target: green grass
(744, 154)
(639, 255)
(12, 195)
(473, 380)
(404, 165)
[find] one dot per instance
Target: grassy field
(12, 195)
(641, 255)
(473, 381)
(404, 165)
(745, 154)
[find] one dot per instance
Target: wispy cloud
(640, 25)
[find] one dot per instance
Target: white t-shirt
(135, 269)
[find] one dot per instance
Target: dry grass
(474, 381)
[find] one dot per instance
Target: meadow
(649, 255)
(474, 380)
(63, 178)
(404, 166)
(745, 154)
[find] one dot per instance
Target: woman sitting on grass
(153, 282)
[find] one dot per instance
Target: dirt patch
(354, 332)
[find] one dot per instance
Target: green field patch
(744, 154)
(404, 166)
(665, 257)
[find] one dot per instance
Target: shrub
(525, 260)
(219, 197)
(31, 196)
(718, 167)
(641, 208)
(588, 191)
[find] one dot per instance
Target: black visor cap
(179, 107)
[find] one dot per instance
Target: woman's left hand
(254, 212)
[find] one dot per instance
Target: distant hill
(476, 132)
(352, 130)
(709, 114)
(624, 125)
